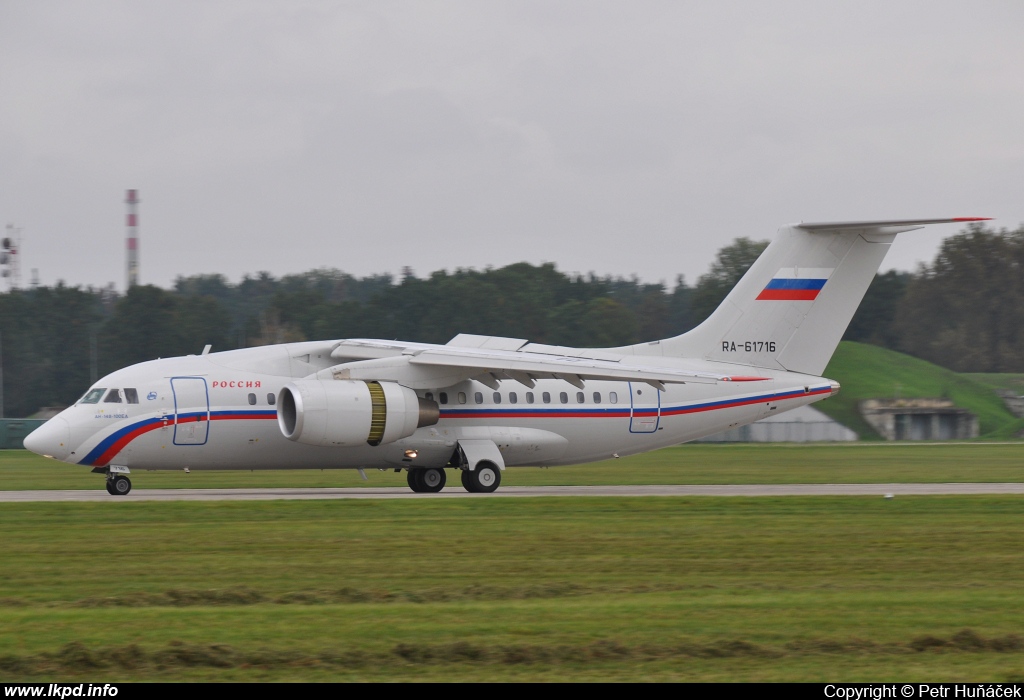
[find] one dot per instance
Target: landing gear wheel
(432, 480)
(120, 485)
(484, 479)
(110, 487)
(414, 477)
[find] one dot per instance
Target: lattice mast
(10, 257)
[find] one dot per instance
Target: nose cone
(51, 439)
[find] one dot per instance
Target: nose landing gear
(118, 483)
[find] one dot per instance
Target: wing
(525, 367)
(434, 366)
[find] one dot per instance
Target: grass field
(686, 464)
(868, 371)
(813, 589)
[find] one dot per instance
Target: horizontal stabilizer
(837, 225)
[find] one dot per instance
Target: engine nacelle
(346, 413)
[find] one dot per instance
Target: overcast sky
(616, 137)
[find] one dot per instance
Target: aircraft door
(191, 410)
(644, 408)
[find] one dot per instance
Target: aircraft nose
(51, 439)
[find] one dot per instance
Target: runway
(749, 490)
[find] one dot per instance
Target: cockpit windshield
(92, 396)
(113, 396)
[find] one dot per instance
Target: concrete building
(804, 424)
(1014, 402)
(919, 419)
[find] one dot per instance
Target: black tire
(486, 478)
(121, 485)
(467, 481)
(432, 480)
(110, 487)
(414, 477)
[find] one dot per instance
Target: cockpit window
(131, 395)
(93, 396)
(113, 396)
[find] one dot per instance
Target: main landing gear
(118, 485)
(426, 480)
(484, 479)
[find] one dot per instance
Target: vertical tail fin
(793, 305)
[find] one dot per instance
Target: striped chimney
(132, 200)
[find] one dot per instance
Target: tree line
(963, 311)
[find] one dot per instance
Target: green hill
(869, 372)
(1014, 382)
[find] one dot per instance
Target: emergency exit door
(191, 410)
(645, 408)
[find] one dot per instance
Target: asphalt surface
(514, 492)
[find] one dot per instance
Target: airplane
(480, 404)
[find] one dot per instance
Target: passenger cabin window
(529, 397)
(444, 397)
(462, 397)
(579, 397)
(429, 396)
(546, 397)
(478, 397)
(271, 399)
(131, 395)
(563, 397)
(93, 396)
(497, 397)
(252, 399)
(512, 397)
(113, 396)
(597, 397)
(613, 397)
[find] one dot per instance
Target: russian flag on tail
(796, 284)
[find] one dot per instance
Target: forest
(963, 311)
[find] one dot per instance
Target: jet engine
(348, 413)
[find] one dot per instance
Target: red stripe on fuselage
(105, 458)
(555, 413)
(638, 412)
(123, 441)
(740, 402)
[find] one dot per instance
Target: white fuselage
(219, 411)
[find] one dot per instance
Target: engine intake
(345, 413)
